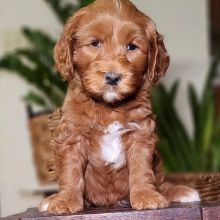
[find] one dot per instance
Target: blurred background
(187, 102)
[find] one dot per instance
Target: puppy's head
(111, 48)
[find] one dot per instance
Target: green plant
(181, 151)
(35, 63)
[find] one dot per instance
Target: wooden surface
(194, 211)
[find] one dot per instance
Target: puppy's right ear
(64, 48)
(158, 57)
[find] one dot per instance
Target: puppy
(105, 141)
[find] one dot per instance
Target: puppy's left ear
(158, 58)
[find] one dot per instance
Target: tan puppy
(105, 143)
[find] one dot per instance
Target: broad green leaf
(84, 3)
(40, 41)
(63, 10)
(49, 73)
(36, 99)
(173, 91)
(194, 107)
(33, 75)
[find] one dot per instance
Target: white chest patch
(111, 145)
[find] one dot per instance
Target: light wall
(17, 176)
(184, 24)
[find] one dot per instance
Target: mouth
(111, 94)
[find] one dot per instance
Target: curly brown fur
(105, 141)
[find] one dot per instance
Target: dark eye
(96, 44)
(132, 47)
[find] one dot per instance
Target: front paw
(61, 204)
(148, 200)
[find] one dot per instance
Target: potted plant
(197, 153)
(35, 65)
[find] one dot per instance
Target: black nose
(112, 78)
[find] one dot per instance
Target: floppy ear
(158, 58)
(64, 48)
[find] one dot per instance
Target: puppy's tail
(179, 193)
(172, 192)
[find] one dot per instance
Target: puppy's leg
(69, 199)
(143, 194)
(71, 164)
